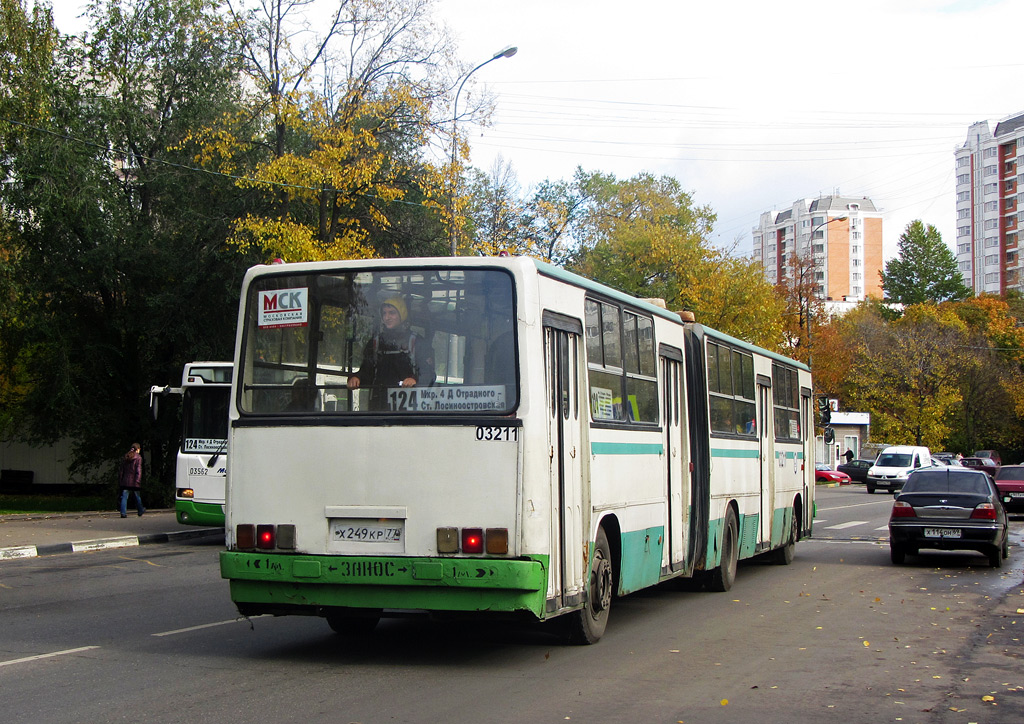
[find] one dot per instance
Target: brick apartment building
(990, 205)
(843, 234)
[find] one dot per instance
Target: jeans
(124, 501)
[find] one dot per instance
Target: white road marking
(204, 625)
(850, 524)
(47, 656)
(857, 505)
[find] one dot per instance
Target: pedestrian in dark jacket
(129, 479)
(393, 357)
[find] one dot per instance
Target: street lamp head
(506, 53)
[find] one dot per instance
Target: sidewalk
(25, 536)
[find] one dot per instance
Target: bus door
(570, 517)
(677, 485)
(766, 441)
(807, 464)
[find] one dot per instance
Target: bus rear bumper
(303, 584)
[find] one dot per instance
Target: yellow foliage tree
(906, 374)
(329, 165)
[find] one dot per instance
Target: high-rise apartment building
(835, 238)
(989, 209)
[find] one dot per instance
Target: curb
(107, 543)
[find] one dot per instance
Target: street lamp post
(807, 302)
(453, 234)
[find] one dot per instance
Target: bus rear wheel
(354, 622)
(784, 555)
(587, 625)
(724, 576)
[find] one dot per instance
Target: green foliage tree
(924, 269)
(117, 248)
(645, 236)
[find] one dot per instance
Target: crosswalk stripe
(850, 524)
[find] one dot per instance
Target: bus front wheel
(723, 577)
(588, 624)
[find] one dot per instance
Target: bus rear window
(387, 341)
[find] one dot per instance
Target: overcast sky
(751, 105)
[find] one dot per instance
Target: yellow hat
(399, 304)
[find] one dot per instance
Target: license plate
(355, 530)
(942, 533)
(1017, 495)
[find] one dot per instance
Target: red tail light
(472, 540)
(984, 511)
(265, 536)
(901, 509)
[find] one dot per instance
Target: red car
(987, 465)
(1010, 482)
(824, 474)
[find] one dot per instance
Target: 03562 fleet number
(497, 434)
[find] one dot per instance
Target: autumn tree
(645, 236)
(498, 219)
(924, 269)
(340, 115)
(906, 374)
(991, 410)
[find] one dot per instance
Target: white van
(894, 464)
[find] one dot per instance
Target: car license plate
(1017, 495)
(942, 533)
(357, 530)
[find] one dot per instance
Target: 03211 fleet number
(486, 433)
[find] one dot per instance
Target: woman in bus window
(394, 356)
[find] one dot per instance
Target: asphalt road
(841, 635)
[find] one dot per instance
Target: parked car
(990, 454)
(949, 509)
(946, 458)
(987, 464)
(1010, 483)
(856, 469)
(894, 464)
(824, 474)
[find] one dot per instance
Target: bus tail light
(472, 540)
(245, 535)
(447, 540)
(497, 540)
(265, 537)
(286, 537)
(186, 493)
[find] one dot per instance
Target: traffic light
(830, 436)
(825, 410)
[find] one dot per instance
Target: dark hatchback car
(1010, 482)
(949, 509)
(856, 469)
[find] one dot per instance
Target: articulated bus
(559, 445)
(203, 455)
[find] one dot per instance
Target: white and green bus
(201, 468)
(556, 445)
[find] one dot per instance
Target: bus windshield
(424, 341)
(205, 413)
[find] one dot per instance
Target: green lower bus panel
(190, 513)
(276, 583)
